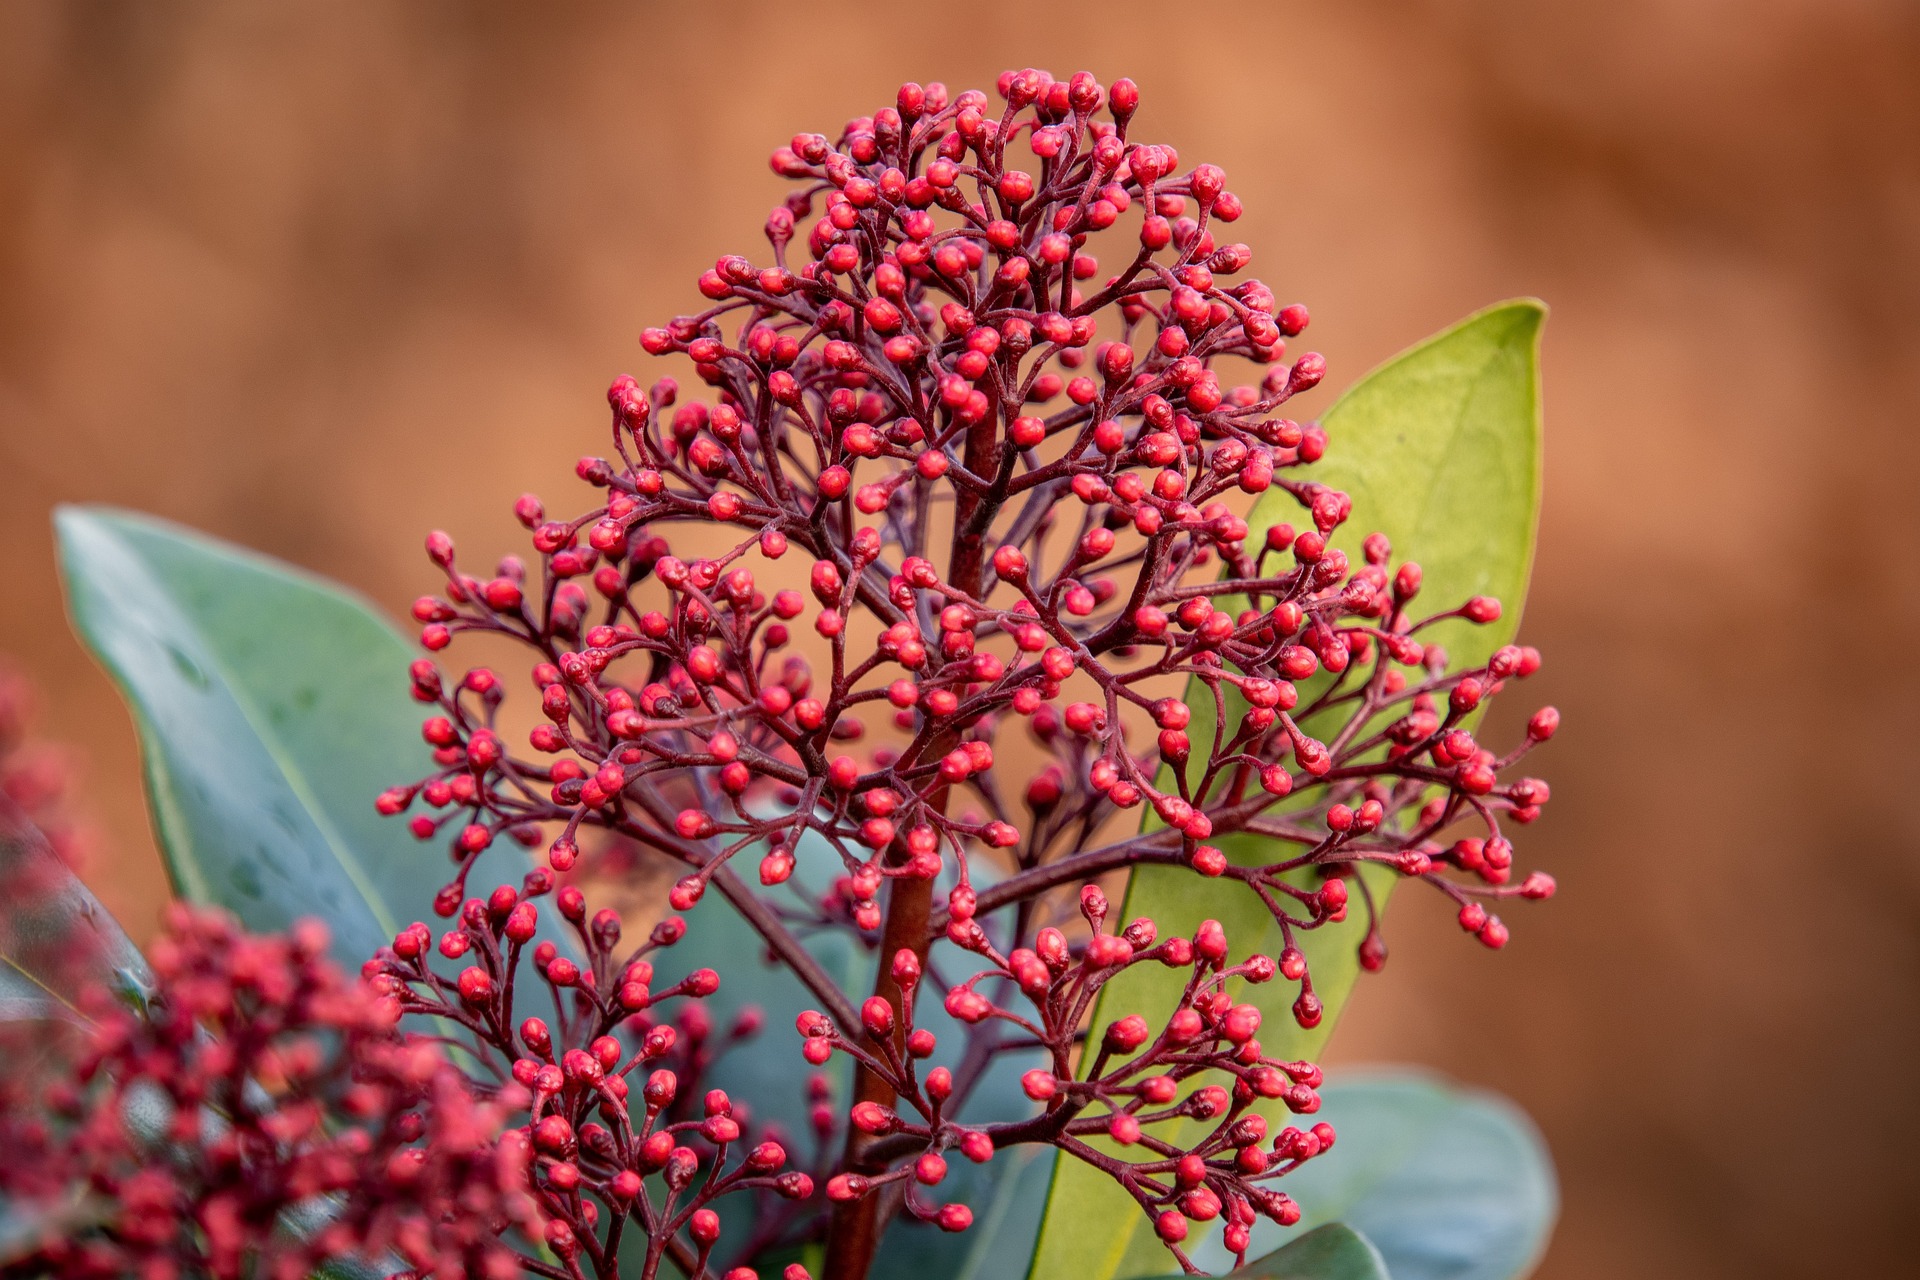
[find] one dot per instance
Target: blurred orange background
(318, 277)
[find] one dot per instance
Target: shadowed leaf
(1331, 1252)
(55, 937)
(1449, 1184)
(272, 710)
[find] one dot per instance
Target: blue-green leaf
(272, 708)
(1449, 1184)
(1440, 450)
(1331, 1252)
(55, 937)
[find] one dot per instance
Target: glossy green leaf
(55, 937)
(1449, 1184)
(1440, 450)
(1334, 1251)
(272, 708)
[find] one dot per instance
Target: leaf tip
(1524, 317)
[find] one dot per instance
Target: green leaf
(272, 710)
(1331, 1252)
(1449, 1184)
(1440, 450)
(55, 937)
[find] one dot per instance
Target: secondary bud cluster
(625, 1141)
(970, 438)
(35, 777)
(1173, 1096)
(259, 1117)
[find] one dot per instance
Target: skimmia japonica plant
(989, 572)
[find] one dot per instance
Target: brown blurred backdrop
(318, 277)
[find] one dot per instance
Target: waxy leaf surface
(1448, 1183)
(55, 937)
(1334, 1251)
(272, 708)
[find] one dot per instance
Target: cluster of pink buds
(258, 1118)
(976, 386)
(626, 1144)
(34, 778)
(1203, 1154)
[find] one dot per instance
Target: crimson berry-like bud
(1040, 1085)
(930, 1169)
(844, 1187)
(1125, 1035)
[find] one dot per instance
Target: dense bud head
(1014, 462)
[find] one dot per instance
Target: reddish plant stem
(853, 1235)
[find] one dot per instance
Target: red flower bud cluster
(34, 777)
(1178, 1094)
(625, 1141)
(260, 1117)
(979, 386)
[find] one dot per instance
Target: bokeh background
(318, 277)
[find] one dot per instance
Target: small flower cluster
(258, 1118)
(1204, 1153)
(616, 1158)
(34, 778)
(1015, 476)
